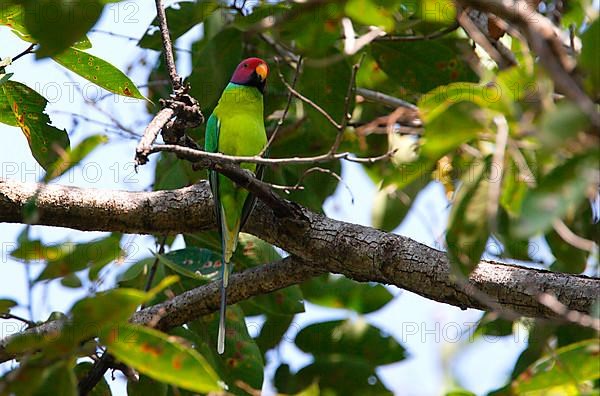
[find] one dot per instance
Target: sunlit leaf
(161, 357)
(6, 304)
(74, 156)
(28, 108)
(99, 72)
(589, 57)
(562, 370)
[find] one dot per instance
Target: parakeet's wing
(250, 202)
(211, 145)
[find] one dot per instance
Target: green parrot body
(236, 127)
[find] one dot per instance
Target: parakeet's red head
(251, 72)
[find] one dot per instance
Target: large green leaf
(186, 15)
(76, 257)
(561, 189)
(192, 262)
(424, 65)
(468, 229)
(561, 371)
(12, 17)
(335, 375)
(242, 360)
(350, 339)
(74, 156)
(99, 72)
(59, 379)
(161, 357)
(371, 13)
(213, 64)
(340, 292)
(28, 108)
(272, 331)
(6, 304)
(58, 24)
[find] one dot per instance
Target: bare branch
(430, 36)
(167, 46)
(347, 99)
(387, 100)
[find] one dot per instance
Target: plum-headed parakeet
(236, 127)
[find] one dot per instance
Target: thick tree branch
(542, 38)
(205, 299)
(358, 252)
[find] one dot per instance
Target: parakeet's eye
(245, 65)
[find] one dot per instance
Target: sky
(435, 335)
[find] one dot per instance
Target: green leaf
(46, 142)
(12, 17)
(491, 324)
(340, 292)
(272, 331)
(242, 360)
(335, 375)
(99, 72)
(561, 124)
(76, 257)
(6, 304)
(146, 386)
(71, 281)
(161, 357)
(391, 204)
(287, 301)
(181, 19)
(468, 229)
(371, 13)
(74, 156)
(588, 59)
(192, 262)
(59, 380)
(213, 64)
(561, 189)
(352, 339)
(432, 63)
(561, 371)
(75, 19)
(101, 388)
(436, 12)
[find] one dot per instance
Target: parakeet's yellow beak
(262, 70)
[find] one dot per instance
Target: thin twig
(385, 99)
(152, 271)
(306, 100)
(327, 171)
(426, 37)
(8, 315)
(348, 98)
(29, 50)
(285, 110)
(214, 158)
(167, 46)
(562, 310)
(571, 238)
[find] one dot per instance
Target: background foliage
(548, 171)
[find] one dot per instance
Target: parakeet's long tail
(221, 335)
(229, 243)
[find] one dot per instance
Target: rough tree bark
(358, 252)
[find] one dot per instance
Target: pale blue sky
(426, 328)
